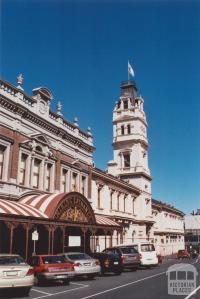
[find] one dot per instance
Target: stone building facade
(48, 180)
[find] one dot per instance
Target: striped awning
(43, 206)
(20, 209)
(103, 220)
(45, 203)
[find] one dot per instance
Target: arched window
(125, 105)
(127, 162)
(128, 129)
(122, 130)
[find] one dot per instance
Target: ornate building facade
(48, 181)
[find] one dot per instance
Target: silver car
(15, 273)
(83, 264)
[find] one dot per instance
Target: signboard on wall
(74, 241)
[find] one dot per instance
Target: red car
(52, 268)
(183, 254)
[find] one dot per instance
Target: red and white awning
(20, 209)
(45, 203)
(103, 220)
(43, 206)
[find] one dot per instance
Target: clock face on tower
(42, 107)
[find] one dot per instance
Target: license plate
(11, 273)
(61, 276)
(87, 264)
(116, 263)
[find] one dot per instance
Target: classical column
(27, 227)
(48, 227)
(53, 228)
(84, 230)
(63, 240)
(11, 226)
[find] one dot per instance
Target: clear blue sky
(79, 50)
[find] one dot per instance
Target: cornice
(97, 173)
(26, 114)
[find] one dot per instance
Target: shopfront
(63, 222)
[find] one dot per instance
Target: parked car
(109, 262)
(83, 264)
(183, 254)
(15, 273)
(129, 255)
(148, 255)
(52, 268)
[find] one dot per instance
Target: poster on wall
(74, 241)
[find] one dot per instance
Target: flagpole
(128, 71)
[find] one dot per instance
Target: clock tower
(130, 145)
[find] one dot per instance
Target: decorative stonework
(75, 208)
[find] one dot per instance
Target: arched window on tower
(128, 129)
(122, 130)
(125, 104)
(127, 162)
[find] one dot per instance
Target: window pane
(36, 170)
(2, 151)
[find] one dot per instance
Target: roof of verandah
(52, 206)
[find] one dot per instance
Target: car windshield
(54, 259)
(12, 260)
(78, 256)
(147, 247)
(128, 250)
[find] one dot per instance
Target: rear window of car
(128, 250)
(147, 247)
(12, 260)
(78, 256)
(54, 259)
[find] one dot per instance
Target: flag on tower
(130, 70)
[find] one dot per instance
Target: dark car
(129, 256)
(109, 262)
(183, 254)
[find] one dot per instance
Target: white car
(15, 273)
(83, 264)
(148, 256)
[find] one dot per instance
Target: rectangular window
(128, 129)
(127, 160)
(74, 181)
(125, 104)
(83, 185)
(48, 177)
(36, 173)
(133, 206)
(111, 200)
(122, 130)
(124, 203)
(64, 180)
(99, 199)
(22, 171)
(2, 152)
(118, 202)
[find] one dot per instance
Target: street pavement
(141, 284)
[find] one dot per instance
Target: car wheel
(66, 282)
(102, 271)
(90, 276)
(118, 272)
(39, 281)
(25, 292)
